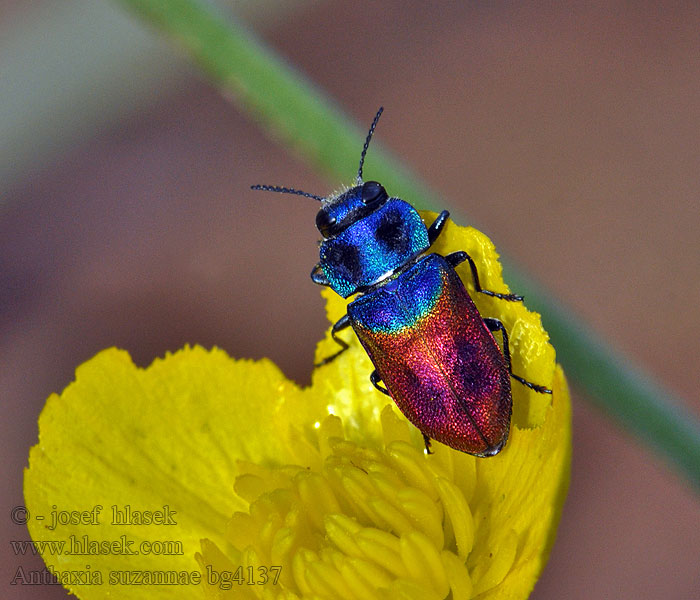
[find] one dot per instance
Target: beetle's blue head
(339, 213)
(367, 236)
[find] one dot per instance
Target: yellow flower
(205, 476)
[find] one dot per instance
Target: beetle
(435, 355)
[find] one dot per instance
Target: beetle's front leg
(456, 258)
(438, 224)
(341, 324)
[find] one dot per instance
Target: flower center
(367, 523)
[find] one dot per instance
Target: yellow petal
(162, 439)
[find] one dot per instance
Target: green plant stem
(293, 110)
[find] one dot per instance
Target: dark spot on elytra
(472, 370)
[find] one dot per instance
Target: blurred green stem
(304, 119)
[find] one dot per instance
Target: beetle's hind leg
(339, 325)
(456, 258)
(496, 325)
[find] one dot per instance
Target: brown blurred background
(568, 133)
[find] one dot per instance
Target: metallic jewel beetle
(435, 354)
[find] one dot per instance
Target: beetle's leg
(426, 439)
(376, 379)
(436, 228)
(456, 258)
(496, 325)
(341, 324)
(317, 275)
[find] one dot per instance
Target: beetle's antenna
(364, 148)
(285, 190)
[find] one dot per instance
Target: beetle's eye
(373, 192)
(324, 222)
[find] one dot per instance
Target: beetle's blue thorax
(367, 243)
